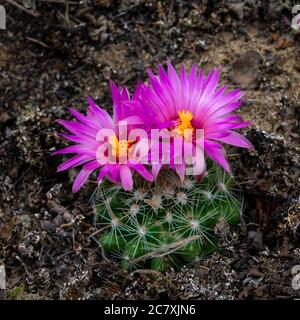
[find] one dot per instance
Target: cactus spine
(167, 223)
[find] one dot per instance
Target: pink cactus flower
(180, 101)
(85, 131)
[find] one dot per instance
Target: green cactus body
(168, 223)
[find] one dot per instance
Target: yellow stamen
(184, 128)
(120, 148)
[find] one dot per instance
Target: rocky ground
(52, 56)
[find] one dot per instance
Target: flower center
(184, 127)
(120, 148)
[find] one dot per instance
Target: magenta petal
(217, 134)
(116, 97)
(235, 139)
(126, 178)
(102, 116)
(138, 167)
(173, 76)
(230, 118)
(84, 119)
(112, 172)
(226, 126)
(77, 149)
(103, 172)
(223, 110)
(80, 179)
(115, 172)
(115, 93)
(83, 140)
(217, 153)
(137, 91)
(180, 169)
(212, 82)
(199, 165)
(91, 166)
(133, 120)
(125, 94)
(78, 128)
(155, 170)
(73, 162)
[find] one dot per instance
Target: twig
(98, 231)
(68, 225)
(16, 4)
(166, 250)
(82, 11)
(64, 254)
(101, 249)
(147, 40)
(25, 268)
(23, 176)
(37, 42)
(69, 29)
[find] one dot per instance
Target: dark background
(53, 55)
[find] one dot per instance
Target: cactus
(166, 223)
